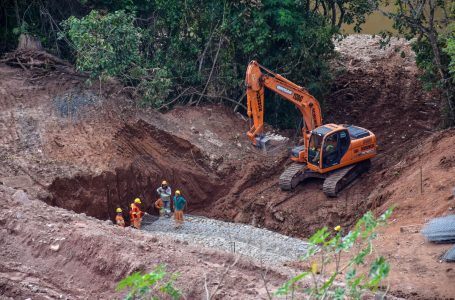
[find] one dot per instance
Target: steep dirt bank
(417, 263)
(50, 253)
(149, 155)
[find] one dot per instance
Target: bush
(109, 46)
(326, 248)
(106, 45)
(153, 285)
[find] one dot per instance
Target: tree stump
(28, 42)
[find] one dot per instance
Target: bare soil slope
(376, 89)
(418, 271)
(77, 149)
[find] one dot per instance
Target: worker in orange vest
(179, 205)
(119, 218)
(136, 213)
(160, 206)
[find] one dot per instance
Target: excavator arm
(257, 79)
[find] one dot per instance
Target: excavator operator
(329, 155)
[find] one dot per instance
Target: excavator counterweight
(336, 153)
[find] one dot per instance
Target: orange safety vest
(159, 203)
(135, 212)
(120, 221)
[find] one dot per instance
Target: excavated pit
(249, 193)
(145, 156)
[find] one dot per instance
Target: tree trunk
(334, 13)
(340, 20)
(445, 78)
(18, 17)
(324, 8)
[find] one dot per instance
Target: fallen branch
(207, 293)
(238, 101)
(341, 90)
(282, 201)
(33, 59)
(224, 98)
(174, 100)
(266, 283)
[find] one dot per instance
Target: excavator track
(295, 174)
(339, 179)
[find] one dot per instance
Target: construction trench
(102, 152)
(139, 145)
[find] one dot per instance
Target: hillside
(85, 152)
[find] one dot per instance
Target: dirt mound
(379, 89)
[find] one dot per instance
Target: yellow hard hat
(137, 200)
(119, 210)
(164, 182)
(177, 192)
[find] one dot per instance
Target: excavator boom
(257, 79)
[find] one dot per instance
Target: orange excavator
(336, 153)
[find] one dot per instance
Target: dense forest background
(188, 51)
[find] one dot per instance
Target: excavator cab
(327, 147)
(323, 147)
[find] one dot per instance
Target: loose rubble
(261, 244)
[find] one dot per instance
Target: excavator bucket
(271, 142)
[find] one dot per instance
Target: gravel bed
(261, 244)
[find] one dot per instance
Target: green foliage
(154, 285)
(106, 45)
(109, 46)
(206, 46)
(425, 61)
(192, 49)
(450, 50)
(326, 247)
(209, 44)
(450, 47)
(420, 22)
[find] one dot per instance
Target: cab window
(314, 149)
(334, 148)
